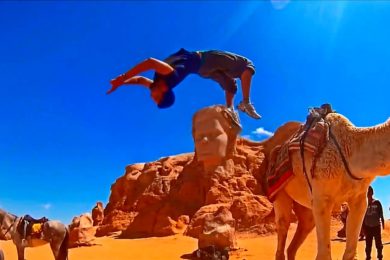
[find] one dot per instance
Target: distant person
(343, 217)
(220, 66)
(373, 221)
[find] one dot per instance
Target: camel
(366, 151)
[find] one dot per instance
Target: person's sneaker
(249, 109)
(235, 116)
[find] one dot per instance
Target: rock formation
(82, 231)
(98, 214)
(176, 194)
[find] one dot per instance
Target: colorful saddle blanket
(280, 169)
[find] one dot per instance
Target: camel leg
(20, 250)
(322, 208)
(55, 248)
(283, 208)
(305, 225)
(357, 209)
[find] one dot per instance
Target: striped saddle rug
(280, 170)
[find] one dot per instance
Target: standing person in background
(373, 222)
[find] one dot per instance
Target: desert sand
(179, 247)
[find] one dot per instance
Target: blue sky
(63, 142)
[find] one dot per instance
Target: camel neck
(369, 150)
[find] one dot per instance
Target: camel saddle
(310, 138)
(31, 227)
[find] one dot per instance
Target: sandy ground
(176, 247)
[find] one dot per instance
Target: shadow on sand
(344, 239)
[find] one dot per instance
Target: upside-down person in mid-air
(221, 66)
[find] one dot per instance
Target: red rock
(218, 230)
(81, 231)
(150, 199)
(98, 214)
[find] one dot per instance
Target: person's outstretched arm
(159, 66)
(140, 80)
(137, 80)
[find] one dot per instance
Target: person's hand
(116, 83)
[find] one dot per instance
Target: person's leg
(378, 242)
(229, 96)
(342, 232)
(225, 67)
(230, 105)
(246, 80)
(213, 67)
(369, 236)
(228, 84)
(245, 105)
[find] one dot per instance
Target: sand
(175, 247)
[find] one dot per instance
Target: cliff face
(174, 194)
